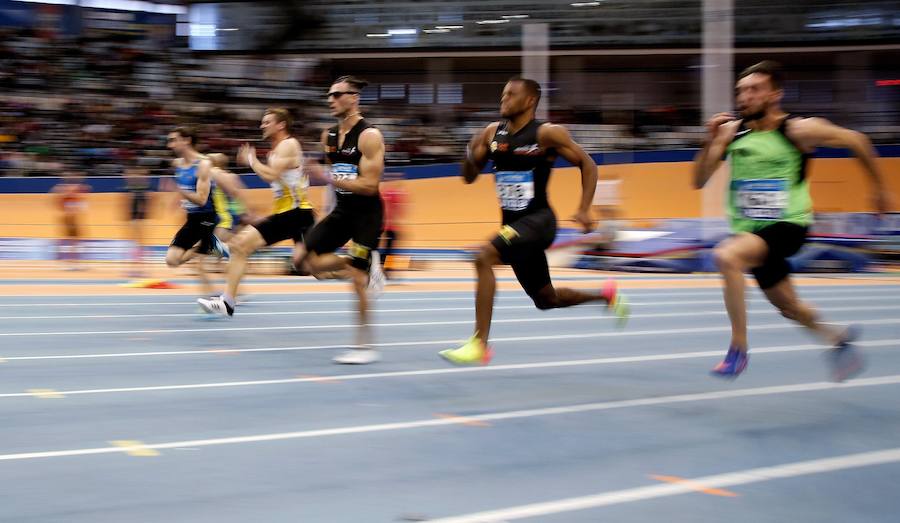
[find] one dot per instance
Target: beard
(755, 115)
(510, 114)
(758, 115)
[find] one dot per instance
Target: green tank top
(768, 181)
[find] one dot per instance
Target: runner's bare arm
(477, 153)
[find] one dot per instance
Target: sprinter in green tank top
(770, 208)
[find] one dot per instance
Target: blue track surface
(629, 405)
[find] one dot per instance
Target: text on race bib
(515, 189)
(344, 171)
(761, 199)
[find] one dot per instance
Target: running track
(128, 405)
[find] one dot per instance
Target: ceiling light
(514, 16)
(585, 4)
(396, 32)
(486, 22)
(435, 30)
(448, 27)
(378, 35)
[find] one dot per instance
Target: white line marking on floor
(134, 448)
(45, 394)
(294, 348)
(450, 370)
(345, 298)
(242, 313)
(545, 318)
(730, 479)
(893, 379)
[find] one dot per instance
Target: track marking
(632, 495)
(679, 303)
(633, 293)
(498, 416)
(546, 318)
(314, 378)
(45, 394)
(134, 448)
(441, 371)
(462, 420)
(694, 485)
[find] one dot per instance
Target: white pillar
(717, 91)
(536, 62)
(439, 72)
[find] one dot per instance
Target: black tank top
(521, 170)
(345, 166)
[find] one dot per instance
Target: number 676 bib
(515, 189)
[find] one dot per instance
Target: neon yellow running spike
(620, 307)
(473, 352)
(616, 302)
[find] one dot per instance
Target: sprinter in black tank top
(355, 153)
(523, 151)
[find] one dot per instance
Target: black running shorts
(343, 225)
(199, 227)
(784, 240)
(292, 224)
(521, 245)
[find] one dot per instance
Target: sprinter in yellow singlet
(293, 213)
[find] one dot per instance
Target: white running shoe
(376, 277)
(357, 357)
(216, 305)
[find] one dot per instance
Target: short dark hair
(357, 83)
(281, 115)
(533, 88)
(770, 68)
(187, 132)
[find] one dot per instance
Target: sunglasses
(338, 94)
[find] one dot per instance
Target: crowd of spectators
(99, 105)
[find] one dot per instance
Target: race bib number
(515, 189)
(186, 204)
(762, 199)
(344, 171)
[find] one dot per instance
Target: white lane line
(189, 301)
(450, 370)
(242, 313)
(448, 342)
(730, 479)
(342, 297)
(545, 318)
(893, 379)
(419, 309)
